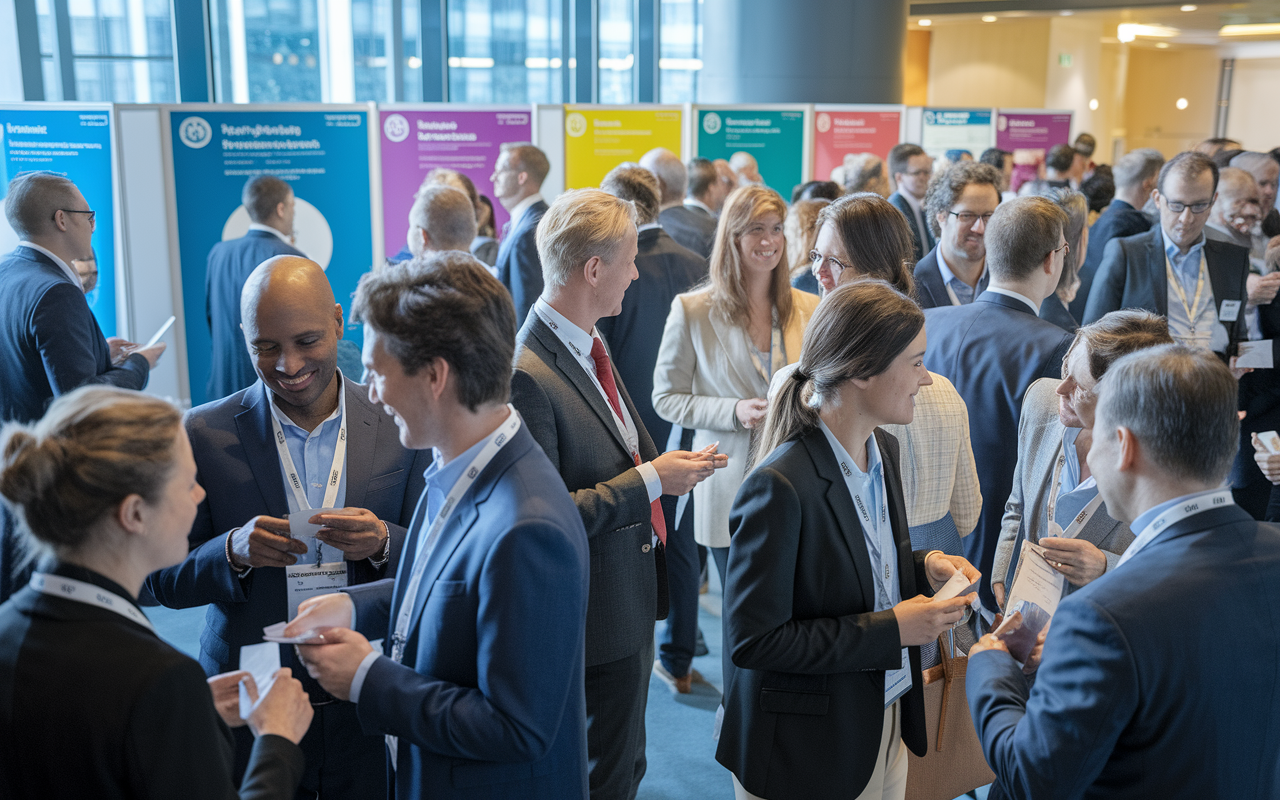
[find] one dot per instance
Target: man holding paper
(1162, 677)
(309, 491)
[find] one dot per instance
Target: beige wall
(989, 64)
(1157, 78)
(915, 69)
(1072, 87)
(1254, 114)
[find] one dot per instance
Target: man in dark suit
(692, 221)
(911, 167)
(517, 183)
(50, 342)
(666, 269)
(1130, 700)
(269, 202)
(1136, 174)
(958, 205)
(578, 409)
(996, 347)
(303, 437)
(478, 685)
(1205, 306)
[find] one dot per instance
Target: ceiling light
(1181, 104)
(1065, 13)
(1260, 29)
(1128, 31)
(988, 18)
(1093, 104)
(1188, 8)
(924, 23)
(1162, 45)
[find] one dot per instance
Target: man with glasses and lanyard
(50, 342)
(958, 206)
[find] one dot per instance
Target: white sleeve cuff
(652, 482)
(358, 681)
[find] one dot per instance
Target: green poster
(775, 136)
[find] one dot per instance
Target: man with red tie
(578, 410)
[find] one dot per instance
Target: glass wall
(680, 50)
(121, 50)
(266, 51)
(506, 51)
(617, 62)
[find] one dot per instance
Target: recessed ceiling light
(924, 23)
(988, 18)
(1093, 104)
(1189, 8)
(1065, 13)
(1162, 45)
(1181, 104)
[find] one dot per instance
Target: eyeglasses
(916, 173)
(1055, 250)
(967, 218)
(1196, 208)
(93, 215)
(816, 259)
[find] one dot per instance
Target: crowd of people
(462, 534)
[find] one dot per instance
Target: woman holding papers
(824, 615)
(1055, 501)
(92, 702)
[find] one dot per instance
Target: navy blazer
(1136, 700)
(692, 227)
(992, 350)
(1117, 221)
(804, 693)
(1053, 310)
(230, 263)
(922, 241)
(237, 464)
(1133, 274)
(666, 270)
(519, 267)
(50, 342)
(489, 702)
(931, 292)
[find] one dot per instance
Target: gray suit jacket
(691, 227)
(574, 426)
(1027, 512)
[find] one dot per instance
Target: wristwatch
(382, 557)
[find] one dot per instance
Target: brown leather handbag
(954, 764)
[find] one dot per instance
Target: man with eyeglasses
(50, 342)
(958, 205)
(994, 348)
(911, 167)
(1198, 284)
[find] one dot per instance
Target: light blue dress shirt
(1072, 496)
(312, 454)
(1147, 517)
(1186, 267)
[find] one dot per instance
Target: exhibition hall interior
(255, 199)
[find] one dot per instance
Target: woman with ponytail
(826, 605)
(92, 702)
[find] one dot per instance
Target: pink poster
(840, 133)
(416, 142)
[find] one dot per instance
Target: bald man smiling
(302, 438)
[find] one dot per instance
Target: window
(617, 63)
(506, 51)
(266, 51)
(121, 50)
(680, 56)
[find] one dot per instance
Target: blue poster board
(75, 142)
(323, 154)
(775, 135)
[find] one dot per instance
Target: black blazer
(574, 426)
(1117, 221)
(666, 270)
(230, 263)
(1133, 274)
(691, 227)
(519, 267)
(922, 241)
(95, 705)
(804, 705)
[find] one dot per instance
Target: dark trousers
(342, 762)
(676, 642)
(617, 693)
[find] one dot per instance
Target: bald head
(745, 167)
(1239, 200)
(1266, 171)
(670, 172)
(285, 280)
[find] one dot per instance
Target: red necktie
(604, 373)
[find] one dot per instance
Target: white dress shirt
(258, 226)
(64, 266)
(1033, 305)
(524, 205)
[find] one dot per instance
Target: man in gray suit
(578, 409)
(691, 222)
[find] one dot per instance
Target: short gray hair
(630, 181)
(1137, 166)
(1180, 404)
(33, 199)
(1077, 209)
(447, 215)
(579, 225)
(671, 174)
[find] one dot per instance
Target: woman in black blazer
(92, 703)
(826, 683)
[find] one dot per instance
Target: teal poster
(323, 155)
(75, 142)
(774, 136)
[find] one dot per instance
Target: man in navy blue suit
(911, 167)
(479, 684)
(1162, 678)
(302, 437)
(50, 342)
(270, 204)
(996, 347)
(517, 183)
(958, 205)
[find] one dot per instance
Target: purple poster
(1029, 135)
(416, 142)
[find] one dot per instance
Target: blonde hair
(579, 225)
(728, 295)
(801, 229)
(93, 448)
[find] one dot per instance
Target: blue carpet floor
(681, 752)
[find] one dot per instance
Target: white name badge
(1229, 311)
(320, 570)
(897, 682)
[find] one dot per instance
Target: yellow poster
(599, 138)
